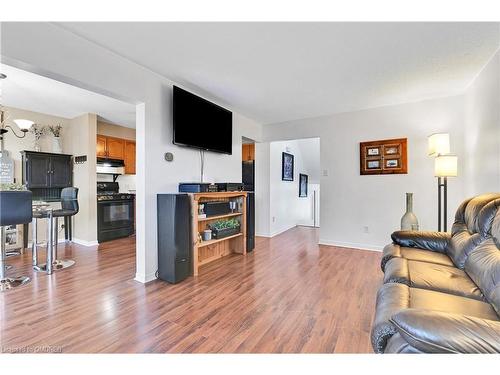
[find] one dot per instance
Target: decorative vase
(56, 145)
(409, 221)
(36, 146)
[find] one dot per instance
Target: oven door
(115, 219)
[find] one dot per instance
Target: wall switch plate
(325, 172)
(366, 229)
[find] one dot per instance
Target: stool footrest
(9, 283)
(58, 264)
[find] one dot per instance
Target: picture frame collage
(384, 157)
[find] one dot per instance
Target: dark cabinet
(60, 171)
(36, 174)
(46, 174)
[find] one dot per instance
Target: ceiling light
(24, 125)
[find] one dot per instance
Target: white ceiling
(32, 92)
(273, 72)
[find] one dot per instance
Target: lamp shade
(439, 144)
(445, 166)
(24, 125)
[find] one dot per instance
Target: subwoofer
(175, 246)
(250, 221)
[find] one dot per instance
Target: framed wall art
(388, 156)
(286, 166)
(303, 179)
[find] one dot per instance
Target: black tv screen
(201, 124)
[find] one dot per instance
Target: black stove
(115, 212)
(108, 191)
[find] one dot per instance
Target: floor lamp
(444, 166)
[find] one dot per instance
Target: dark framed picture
(303, 178)
(286, 166)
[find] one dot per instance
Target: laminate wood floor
(288, 296)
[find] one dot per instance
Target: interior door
(101, 146)
(60, 175)
(37, 171)
(116, 148)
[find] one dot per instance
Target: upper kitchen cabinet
(101, 146)
(116, 148)
(110, 147)
(248, 151)
(129, 157)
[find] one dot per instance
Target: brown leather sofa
(441, 292)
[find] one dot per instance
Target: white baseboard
(352, 245)
(267, 235)
(85, 243)
(283, 230)
(30, 244)
(142, 278)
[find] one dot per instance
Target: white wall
(482, 131)
(49, 50)
(279, 206)
(82, 141)
(349, 201)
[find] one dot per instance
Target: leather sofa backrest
(465, 233)
(483, 263)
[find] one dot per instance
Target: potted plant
(38, 131)
(224, 228)
(56, 141)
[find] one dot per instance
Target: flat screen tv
(201, 124)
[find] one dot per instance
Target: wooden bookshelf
(207, 251)
(208, 218)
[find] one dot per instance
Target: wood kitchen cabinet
(110, 147)
(101, 146)
(117, 148)
(248, 151)
(129, 157)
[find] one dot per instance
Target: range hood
(110, 166)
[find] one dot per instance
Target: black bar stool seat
(15, 208)
(69, 208)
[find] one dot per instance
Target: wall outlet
(274, 219)
(366, 229)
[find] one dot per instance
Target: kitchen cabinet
(129, 157)
(248, 151)
(116, 148)
(101, 146)
(46, 174)
(110, 147)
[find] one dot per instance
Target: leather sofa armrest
(439, 332)
(433, 241)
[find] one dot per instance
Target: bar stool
(15, 208)
(69, 208)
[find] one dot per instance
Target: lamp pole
(442, 203)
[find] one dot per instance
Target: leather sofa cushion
(439, 332)
(395, 251)
(468, 226)
(431, 276)
(398, 345)
(483, 267)
(393, 298)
